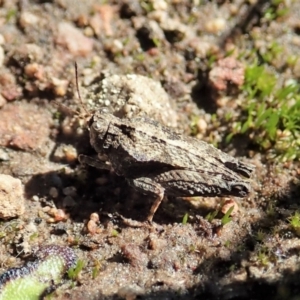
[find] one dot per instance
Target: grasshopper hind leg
(148, 186)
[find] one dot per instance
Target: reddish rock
(73, 39)
(228, 204)
(101, 21)
(134, 255)
(228, 72)
(8, 86)
(23, 126)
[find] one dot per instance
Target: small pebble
(11, 197)
(70, 191)
(101, 180)
(88, 31)
(66, 130)
(130, 292)
(201, 125)
(216, 25)
(71, 154)
(56, 180)
(159, 4)
(92, 227)
(233, 8)
(35, 198)
(226, 74)
(2, 39)
(59, 86)
(53, 192)
(73, 39)
(2, 56)
(68, 201)
(155, 242)
(52, 211)
(95, 217)
(38, 220)
(228, 204)
(60, 215)
(3, 154)
(46, 209)
(34, 70)
(27, 18)
(134, 255)
(66, 152)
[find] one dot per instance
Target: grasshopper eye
(99, 127)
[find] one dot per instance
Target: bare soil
(254, 256)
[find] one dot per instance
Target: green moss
(294, 222)
(292, 60)
(227, 244)
(74, 272)
(11, 14)
(272, 114)
(209, 217)
(140, 57)
(271, 212)
(34, 236)
(95, 272)
(193, 125)
(263, 258)
(114, 233)
(225, 219)
(260, 235)
(277, 9)
(147, 6)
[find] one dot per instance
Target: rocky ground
(181, 62)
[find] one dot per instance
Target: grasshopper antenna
(77, 88)
(68, 109)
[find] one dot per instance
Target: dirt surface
(254, 256)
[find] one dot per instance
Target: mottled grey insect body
(156, 160)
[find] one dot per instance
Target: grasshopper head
(99, 124)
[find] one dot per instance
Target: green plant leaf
(185, 219)
(226, 218)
